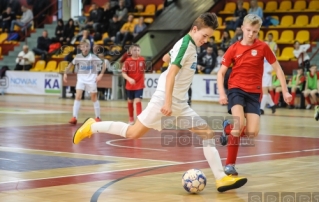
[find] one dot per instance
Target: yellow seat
(284, 6)
(301, 21)
(313, 6)
(246, 5)
(139, 7)
(149, 9)
(314, 21)
(217, 36)
(271, 6)
(135, 20)
(39, 66)
(299, 5)
(160, 6)
(275, 35)
(286, 21)
(230, 8)
(220, 23)
(303, 36)
(287, 54)
(261, 4)
(287, 37)
(68, 49)
(148, 20)
(51, 66)
(62, 66)
(261, 35)
(105, 35)
(3, 37)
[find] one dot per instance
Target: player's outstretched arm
(282, 79)
(169, 86)
(220, 84)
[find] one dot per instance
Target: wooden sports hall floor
(38, 161)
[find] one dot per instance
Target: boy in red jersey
(245, 86)
(133, 71)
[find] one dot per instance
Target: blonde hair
(85, 41)
(253, 19)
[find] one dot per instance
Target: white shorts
(183, 117)
(267, 81)
(89, 87)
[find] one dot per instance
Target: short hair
(253, 19)
(270, 34)
(85, 41)
(135, 45)
(206, 20)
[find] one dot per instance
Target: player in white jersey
(169, 103)
(87, 65)
(266, 85)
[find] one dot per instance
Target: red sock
(308, 100)
(130, 109)
(138, 108)
(272, 94)
(232, 147)
(277, 96)
(292, 102)
(228, 129)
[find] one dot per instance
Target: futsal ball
(194, 181)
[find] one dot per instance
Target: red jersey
(248, 65)
(135, 69)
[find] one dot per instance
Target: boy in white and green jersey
(88, 65)
(169, 103)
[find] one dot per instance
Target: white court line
(7, 159)
(177, 163)
(74, 153)
(143, 148)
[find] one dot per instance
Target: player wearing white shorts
(266, 85)
(170, 102)
(88, 65)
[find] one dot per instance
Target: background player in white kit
(266, 85)
(170, 99)
(88, 65)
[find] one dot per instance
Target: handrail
(34, 17)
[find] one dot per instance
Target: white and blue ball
(194, 181)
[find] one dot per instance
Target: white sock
(76, 108)
(111, 127)
(263, 102)
(96, 105)
(269, 100)
(212, 156)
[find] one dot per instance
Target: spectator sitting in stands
(139, 27)
(255, 9)
(43, 45)
(94, 18)
(15, 6)
(25, 21)
(239, 15)
(238, 35)
(218, 61)
(25, 59)
(126, 32)
(312, 87)
(7, 18)
(272, 45)
(59, 30)
(296, 85)
(86, 35)
(211, 43)
(206, 61)
(121, 11)
(300, 53)
(107, 14)
(225, 41)
(114, 27)
(68, 32)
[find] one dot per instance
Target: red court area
(58, 138)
